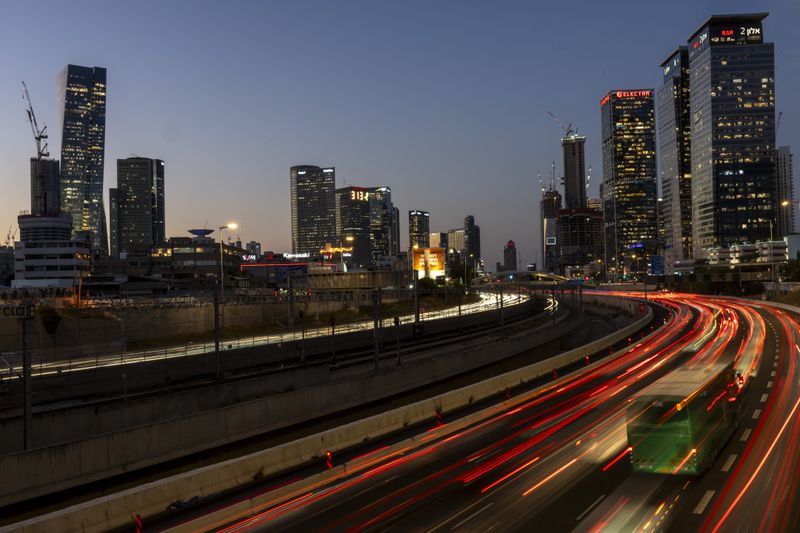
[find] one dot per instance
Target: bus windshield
(648, 416)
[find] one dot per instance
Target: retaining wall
(152, 498)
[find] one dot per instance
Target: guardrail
(150, 499)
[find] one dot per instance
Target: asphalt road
(560, 461)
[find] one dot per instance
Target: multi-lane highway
(560, 461)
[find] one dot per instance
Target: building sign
(429, 262)
(736, 34)
(632, 94)
(17, 310)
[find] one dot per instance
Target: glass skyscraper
(353, 222)
(675, 154)
(732, 84)
(629, 177)
(313, 208)
(419, 228)
(82, 100)
(137, 206)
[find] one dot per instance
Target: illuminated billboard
(429, 262)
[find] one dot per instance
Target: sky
(444, 101)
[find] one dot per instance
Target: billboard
(429, 262)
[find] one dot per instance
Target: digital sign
(360, 195)
(430, 262)
(736, 34)
(632, 94)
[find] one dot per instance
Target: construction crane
(567, 129)
(11, 236)
(588, 176)
(39, 134)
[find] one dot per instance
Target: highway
(12, 369)
(560, 460)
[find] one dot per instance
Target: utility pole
(27, 378)
(376, 303)
(217, 355)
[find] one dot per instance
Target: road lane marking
(769, 384)
(772, 374)
(756, 413)
(764, 397)
(729, 463)
(462, 511)
(701, 506)
(745, 435)
(598, 500)
(473, 515)
(775, 364)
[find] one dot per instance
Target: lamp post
(230, 225)
(217, 298)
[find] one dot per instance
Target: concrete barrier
(42, 471)
(152, 498)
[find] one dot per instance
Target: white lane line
(764, 397)
(598, 500)
(746, 434)
(701, 506)
(450, 519)
(485, 456)
(769, 384)
(473, 515)
(775, 364)
(756, 413)
(729, 463)
(772, 374)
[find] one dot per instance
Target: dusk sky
(446, 102)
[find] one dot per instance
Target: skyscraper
(45, 187)
(674, 153)
(381, 223)
(785, 192)
(472, 236)
(138, 205)
(113, 218)
(353, 222)
(572, 145)
(313, 208)
(419, 228)
(629, 176)
(732, 84)
(549, 206)
(82, 100)
(395, 230)
(510, 256)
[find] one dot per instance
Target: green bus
(680, 423)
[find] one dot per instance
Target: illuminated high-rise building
(137, 206)
(381, 223)
(629, 176)
(549, 206)
(786, 215)
(675, 154)
(353, 223)
(510, 256)
(313, 208)
(732, 84)
(82, 101)
(472, 235)
(419, 227)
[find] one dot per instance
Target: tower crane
(567, 129)
(39, 134)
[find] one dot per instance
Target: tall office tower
(82, 100)
(510, 256)
(629, 176)
(675, 154)
(549, 206)
(138, 212)
(45, 187)
(472, 236)
(785, 192)
(574, 170)
(313, 208)
(419, 227)
(457, 241)
(381, 222)
(732, 84)
(254, 248)
(395, 233)
(438, 239)
(353, 223)
(113, 216)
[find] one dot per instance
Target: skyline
(452, 115)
